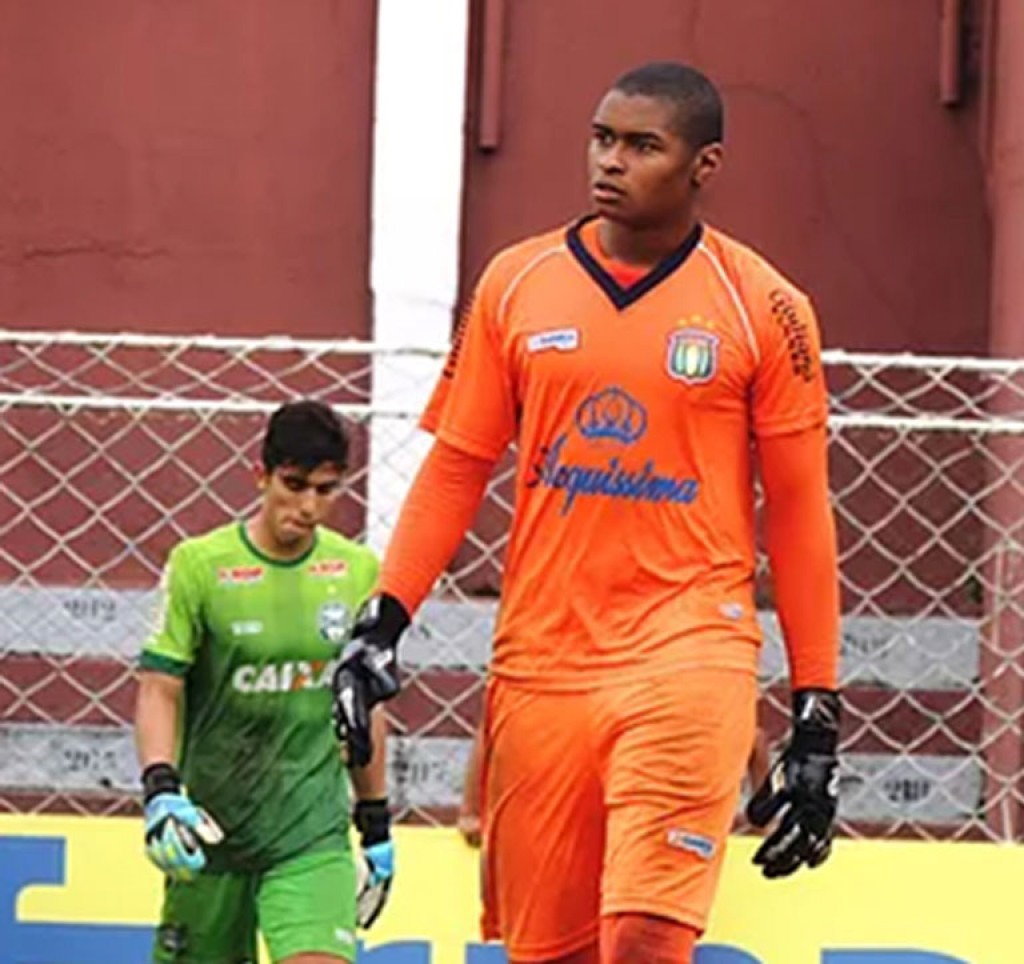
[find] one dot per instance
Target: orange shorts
(610, 801)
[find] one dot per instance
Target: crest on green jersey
(335, 622)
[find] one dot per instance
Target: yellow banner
(80, 888)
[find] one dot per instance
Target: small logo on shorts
(732, 610)
(247, 627)
(171, 938)
(343, 936)
(695, 843)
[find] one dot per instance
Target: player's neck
(261, 536)
(643, 247)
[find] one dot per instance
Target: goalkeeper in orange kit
(647, 366)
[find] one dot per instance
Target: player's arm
(469, 811)
(370, 782)
(473, 417)
(176, 829)
(760, 760)
(789, 414)
(472, 414)
(800, 539)
(156, 717)
(372, 819)
(439, 508)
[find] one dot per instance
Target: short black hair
(700, 116)
(306, 434)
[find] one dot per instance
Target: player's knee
(646, 939)
(585, 955)
(315, 959)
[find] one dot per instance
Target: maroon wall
(200, 165)
(1003, 654)
(842, 166)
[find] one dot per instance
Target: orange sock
(645, 939)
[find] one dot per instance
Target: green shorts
(305, 904)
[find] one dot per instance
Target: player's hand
(176, 829)
(468, 825)
(375, 868)
(367, 674)
(801, 789)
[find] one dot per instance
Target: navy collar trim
(624, 297)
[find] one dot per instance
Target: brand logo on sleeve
(328, 568)
(560, 339)
(794, 329)
(239, 575)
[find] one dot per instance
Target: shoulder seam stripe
(523, 272)
(736, 300)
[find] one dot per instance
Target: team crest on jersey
(692, 355)
(335, 621)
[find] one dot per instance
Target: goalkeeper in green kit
(246, 795)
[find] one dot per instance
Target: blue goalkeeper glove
(176, 829)
(802, 789)
(367, 674)
(375, 869)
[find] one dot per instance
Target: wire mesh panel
(112, 448)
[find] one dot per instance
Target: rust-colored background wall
(842, 166)
(201, 165)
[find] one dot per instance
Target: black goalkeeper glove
(367, 674)
(375, 870)
(801, 788)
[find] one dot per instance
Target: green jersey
(256, 640)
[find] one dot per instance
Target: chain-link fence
(114, 447)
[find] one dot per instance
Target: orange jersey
(635, 410)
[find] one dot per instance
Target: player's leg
(543, 826)
(590, 954)
(314, 959)
(307, 907)
(647, 938)
(212, 918)
(678, 749)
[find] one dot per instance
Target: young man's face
(296, 501)
(642, 172)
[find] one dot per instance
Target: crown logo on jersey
(611, 414)
(692, 355)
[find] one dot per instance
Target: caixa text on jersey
(283, 677)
